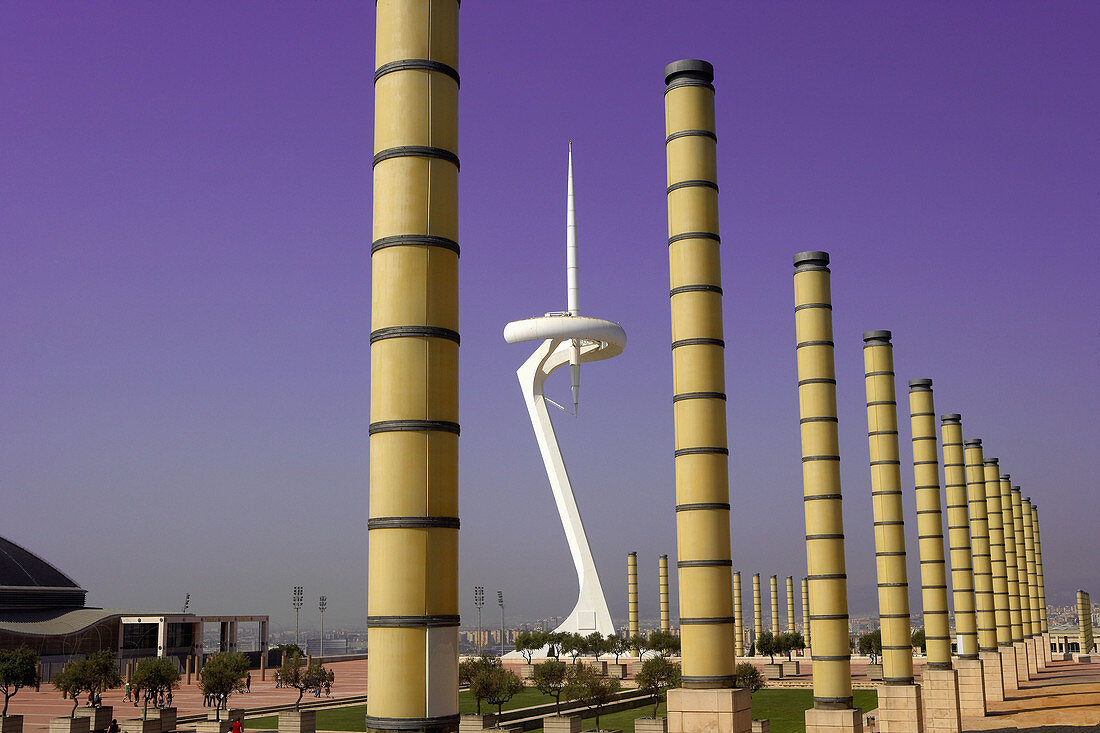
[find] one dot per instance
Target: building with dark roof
(44, 609)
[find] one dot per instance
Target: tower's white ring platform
(599, 339)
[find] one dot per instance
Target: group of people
(158, 699)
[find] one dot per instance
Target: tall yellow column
(662, 584)
(900, 708)
(757, 608)
(1084, 622)
(1012, 571)
(412, 598)
(968, 666)
(790, 604)
(1039, 581)
(983, 571)
(832, 670)
(738, 617)
(1033, 658)
(1011, 561)
(939, 681)
(926, 480)
(699, 409)
(632, 593)
(995, 519)
(773, 586)
(806, 613)
(1032, 572)
(882, 438)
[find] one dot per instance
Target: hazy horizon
(185, 211)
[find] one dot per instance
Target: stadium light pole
(296, 602)
(500, 600)
(321, 606)
(479, 601)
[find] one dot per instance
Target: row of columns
(632, 593)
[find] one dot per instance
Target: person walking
(248, 682)
(237, 727)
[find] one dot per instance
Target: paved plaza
(38, 707)
(1063, 699)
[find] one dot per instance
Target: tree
(295, 673)
(656, 675)
(871, 644)
(554, 639)
(72, 680)
(595, 644)
(528, 642)
(616, 645)
(572, 644)
(748, 677)
(503, 686)
(782, 644)
(470, 668)
(18, 669)
(155, 675)
(766, 644)
(550, 679)
(664, 643)
(592, 690)
(918, 640)
(752, 650)
(223, 675)
(640, 644)
(102, 672)
(798, 642)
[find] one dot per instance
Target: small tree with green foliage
(572, 644)
(550, 679)
(766, 644)
(155, 675)
(664, 643)
(18, 669)
(102, 672)
(596, 644)
(616, 645)
(591, 689)
(72, 680)
(918, 640)
(470, 668)
(222, 675)
(748, 677)
(639, 643)
(871, 644)
(798, 642)
(301, 676)
(657, 675)
(504, 685)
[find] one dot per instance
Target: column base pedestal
(1008, 669)
(992, 676)
(899, 709)
(834, 721)
(940, 695)
(1023, 673)
(971, 687)
(722, 710)
(1033, 666)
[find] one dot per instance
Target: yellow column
(790, 604)
(698, 375)
(738, 617)
(806, 612)
(1039, 568)
(1032, 568)
(662, 582)
(632, 593)
(926, 479)
(882, 438)
(958, 534)
(757, 608)
(995, 518)
(979, 542)
(1084, 621)
(832, 671)
(1011, 561)
(412, 599)
(983, 572)
(1021, 562)
(773, 586)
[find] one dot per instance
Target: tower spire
(572, 271)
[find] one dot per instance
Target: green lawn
(784, 708)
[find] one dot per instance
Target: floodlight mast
(572, 276)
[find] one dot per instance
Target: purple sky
(185, 220)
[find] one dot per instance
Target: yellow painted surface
(1011, 561)
(958, 539)
(930, 542)
(979, 544)
(995, 518)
